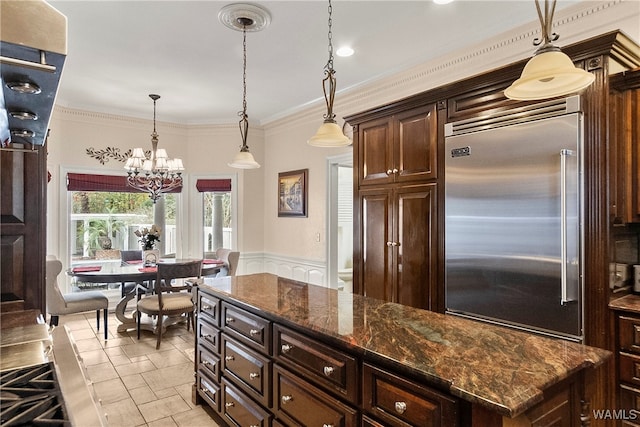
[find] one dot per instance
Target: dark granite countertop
(499, 368)
(629, 303)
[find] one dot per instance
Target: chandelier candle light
(329, 134)
(156, 174)
(550, 72)
(244, 17)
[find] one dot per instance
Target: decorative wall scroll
(103, 155)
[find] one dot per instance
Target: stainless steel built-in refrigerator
(513, 215)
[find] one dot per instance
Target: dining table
(136, 273)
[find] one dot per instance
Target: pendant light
(550, 72)
(156, 174)
(329, 134)
(244, 17)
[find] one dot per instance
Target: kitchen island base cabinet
(281, 361)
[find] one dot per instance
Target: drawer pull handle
(206, 363)
(254, 375)
(327, 425)
(230, 319)
(229, 404)
(207, 337)
(389, 171)
(286, 399)
(401, 407)
(206, 307)
(254, 332)
(286, 348)
(229, 358)
(208, 392)
(328, 370)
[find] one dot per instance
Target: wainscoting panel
(303, 270)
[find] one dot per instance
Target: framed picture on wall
(292, 193)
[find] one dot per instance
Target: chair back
(230, 259)
(131, 255)
(55, 300)
(167, 271)
(107, 253)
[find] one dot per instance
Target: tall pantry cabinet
(396, 244)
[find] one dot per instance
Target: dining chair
(75, 302)
(230, 259)
(168, 300)
(134, 255)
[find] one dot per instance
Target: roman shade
(107, 183)
(213, 185)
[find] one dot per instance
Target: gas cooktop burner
(31, 396)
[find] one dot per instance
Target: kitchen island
(273, 351)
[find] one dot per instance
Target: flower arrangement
(148, 237)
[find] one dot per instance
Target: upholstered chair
(75, 302)
(230, 259)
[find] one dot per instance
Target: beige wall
(281, 144)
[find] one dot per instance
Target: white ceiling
(121, 51)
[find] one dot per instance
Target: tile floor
(137, 384)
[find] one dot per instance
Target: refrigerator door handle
(564, 153)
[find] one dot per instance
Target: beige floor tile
(94, 357)
(166, 358)
(101, 372)
(196, 417)
(133, 381)
(138, 358)
(82, 334)
(111, 391)
(117, 342)
(142, 395)
(135, 368)
(169, 377)
(124, 413)
(166, 392)
(119, 360)
(185, 391)
(158, 409)
(114, 351)
(141, 348)
(88, 344)
(164, 422)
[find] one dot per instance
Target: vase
(150, 257)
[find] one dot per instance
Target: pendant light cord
(329, 65)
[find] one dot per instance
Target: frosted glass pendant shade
(329, 135)
(547, 75)
(244, 160)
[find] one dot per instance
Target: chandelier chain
(329, 65)
(546, 23)
(244, 70)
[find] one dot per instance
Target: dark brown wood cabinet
(396, 205)
(399, 148)
(624, 134)
(23, 204)
(398, 243)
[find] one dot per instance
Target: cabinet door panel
(416, 253)
(376, 152)
(416, 145)
(376, 278)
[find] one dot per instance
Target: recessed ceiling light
(442, 1)
(344, 51)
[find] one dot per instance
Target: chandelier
(155, 174)
(244, 17)
(329, 134)
(550, 72)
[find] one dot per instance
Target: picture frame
(292, 193)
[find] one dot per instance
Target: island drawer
(332, 369)
(251, 370)
(208, 363)
(239, 410)
(252, 329)
(629, 330)
(209, 391)
(630, 368)
(209, 336)
(397, 401)
(298, 403)
(209, 308)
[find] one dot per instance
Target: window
(105, 213)
(217, 214)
